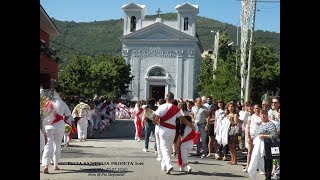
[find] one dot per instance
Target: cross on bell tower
(158, 12)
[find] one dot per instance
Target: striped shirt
(267, 128)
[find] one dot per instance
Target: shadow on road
(217, 174)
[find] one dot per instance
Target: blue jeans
(95, 122)
(203, 135)
(148, 129)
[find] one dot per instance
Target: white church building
(164, 55)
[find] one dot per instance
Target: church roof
(158, 32)
(187, 7)
(134, 6)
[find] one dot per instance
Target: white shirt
(61, 108)
(162, 110)
(199, 114)
(255, 122)
(243, 116)
(219, 115)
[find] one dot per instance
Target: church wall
(147, 23)
(177, 62)
(172, 24)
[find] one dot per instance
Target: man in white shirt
(165, 117)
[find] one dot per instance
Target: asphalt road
(118, 156)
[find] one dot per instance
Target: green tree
(204, 86)
(102, 75)
(114, 75)
(76, 77)
(226, 85)
(265, 71)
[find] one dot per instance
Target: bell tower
(134, 14)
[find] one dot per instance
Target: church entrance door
(157, 92)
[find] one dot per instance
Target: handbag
(234, 131)
(272, 148)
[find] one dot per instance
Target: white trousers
(66, 137)
(166, 142)
(121, 114)
(53, 145)
(185, 149)
(82, 127)
(156, 132)
(42, 141)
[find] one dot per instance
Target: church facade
(164, 55)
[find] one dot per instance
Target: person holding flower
(67, 130)
(56, 110)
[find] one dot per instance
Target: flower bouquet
(67, 128)
(46, 108)
(149, 113)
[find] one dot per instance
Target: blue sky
(227, 11)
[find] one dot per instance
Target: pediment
(132, 6)
(187, 7)
(158, 31)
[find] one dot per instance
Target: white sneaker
(189, 169)
(182, 168)
(145, 150)
(245, 170)
(203, 156)
(216, 156)
(169, 170)
(138, 140)
(156, 152)
(159, 159)
(262, 173)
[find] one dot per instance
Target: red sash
(190, 136)
(138, 123)
(57, 118)
(138, 114)
(65, 120)
(169, 114)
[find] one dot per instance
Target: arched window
(133, 24)
(157, 72)
(186, 23)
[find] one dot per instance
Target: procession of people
(205, 125)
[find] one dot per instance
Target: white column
(179, 76)
(191, 65)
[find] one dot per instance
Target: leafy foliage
(102, 75)
(265, 73)
(226, 84)
(102, 37)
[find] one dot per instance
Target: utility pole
(237, 48)
(247, 90)
(215, 52)
(244, 23)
